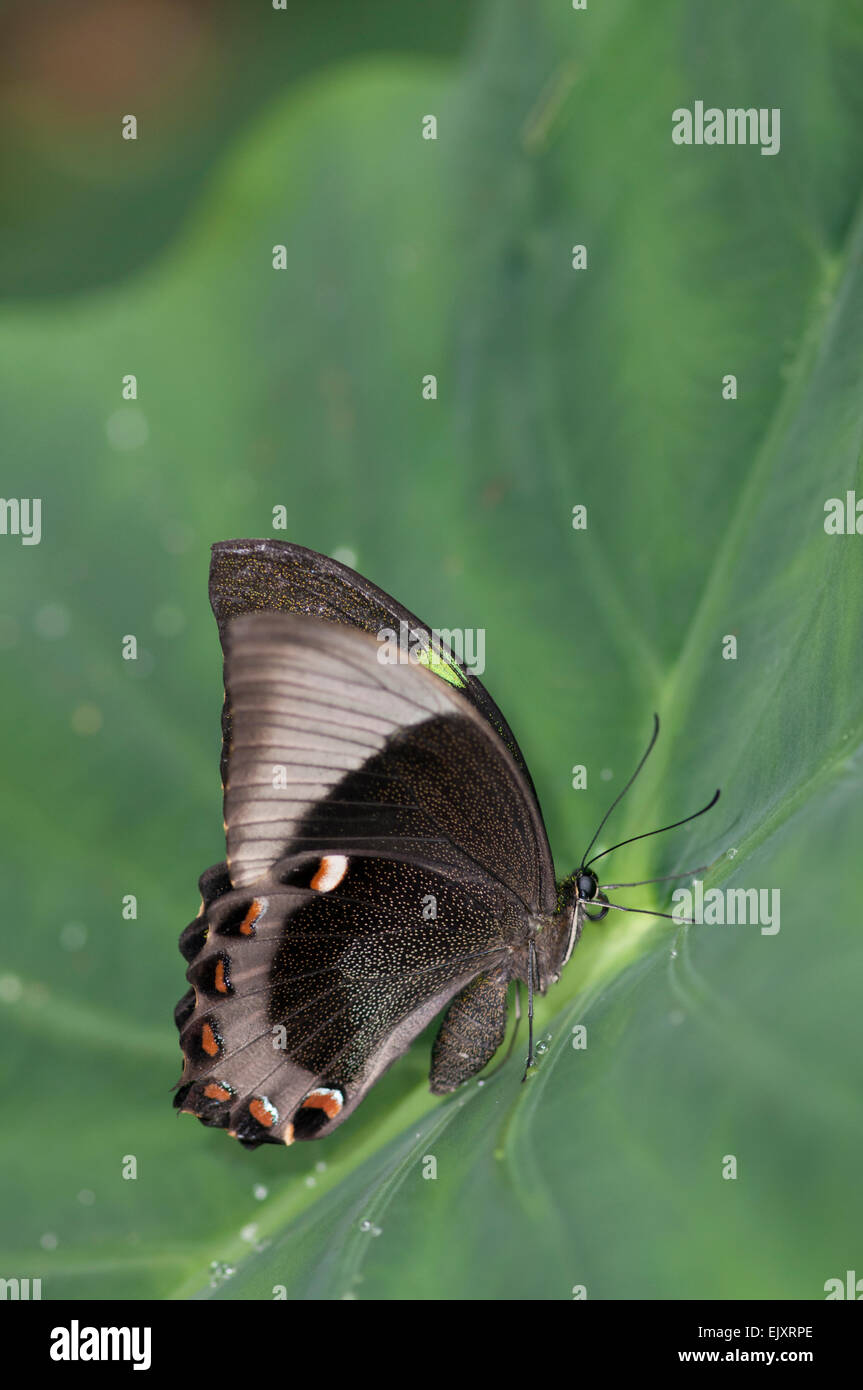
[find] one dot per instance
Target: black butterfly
(386, 856)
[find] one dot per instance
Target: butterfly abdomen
(473, 1029)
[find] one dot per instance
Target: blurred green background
(302, 388)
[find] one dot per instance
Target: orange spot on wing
(220, 981)
(215, 1091)
(261, 1111)
(209, 1041)
(247, 926)
(327, 1100)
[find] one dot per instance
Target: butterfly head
(586, 890)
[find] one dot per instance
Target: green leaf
(556, 387)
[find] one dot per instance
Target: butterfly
(386, 857)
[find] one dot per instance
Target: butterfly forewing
(249, 576)
(389, 760)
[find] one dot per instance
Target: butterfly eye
(587, 885)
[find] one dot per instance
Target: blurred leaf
(556, 387)
(195, 73)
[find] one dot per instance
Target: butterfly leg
(532, 984)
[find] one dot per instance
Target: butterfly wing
(276, 576)
(383, 851)
(301, 998)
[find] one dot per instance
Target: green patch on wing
(440, 666)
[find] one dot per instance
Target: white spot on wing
(331, 871)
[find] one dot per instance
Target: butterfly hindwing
(302, 997)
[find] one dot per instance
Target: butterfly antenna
(661, 831)
(620, 795)
(664, 878)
